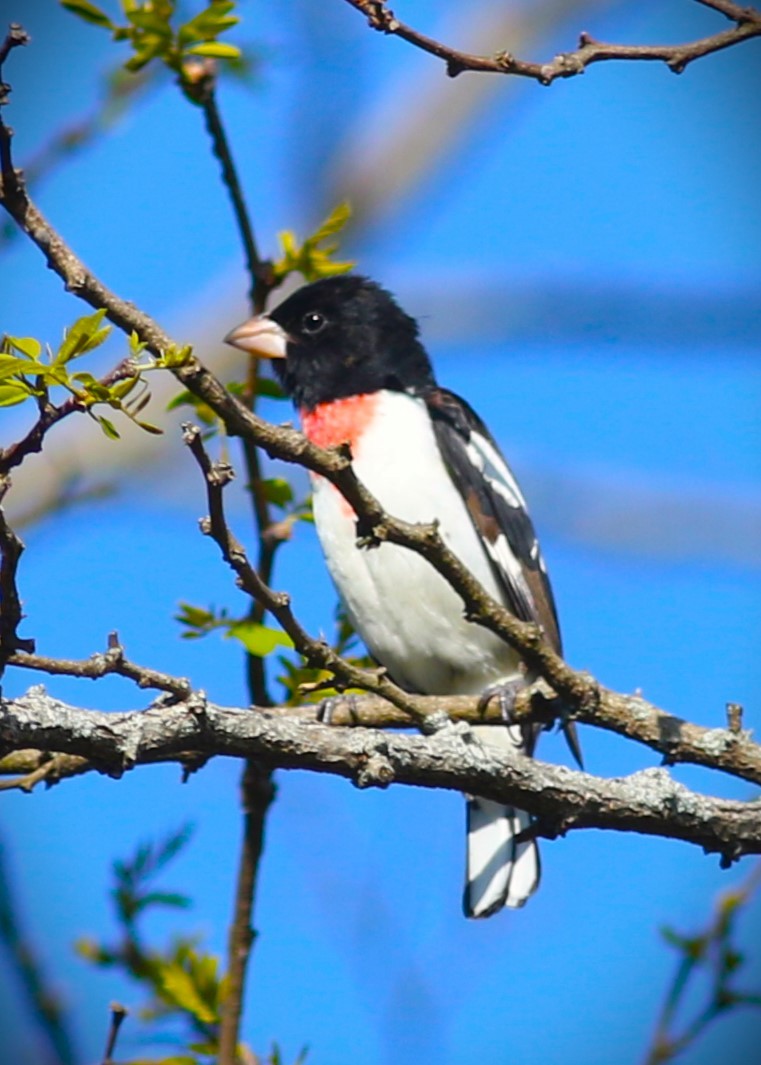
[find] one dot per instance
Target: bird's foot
(328, 708)
(505, 692)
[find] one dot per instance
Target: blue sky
(585, 262)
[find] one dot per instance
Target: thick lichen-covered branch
(562, 800)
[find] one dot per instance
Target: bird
(355, 368)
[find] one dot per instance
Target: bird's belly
(407, 614)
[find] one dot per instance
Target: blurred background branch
(48, 1027)
(716, 954)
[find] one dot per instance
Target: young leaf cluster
(26, 374)
(148, 28)
(299, 682)
(258, 639)
(714, 954)
(183, 983)
(314, 258)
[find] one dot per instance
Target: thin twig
(257, 793)
(11, 615)
(567, 64)
(27, 769)
(200, 84)
(118, 1014)
(15, 37)
(111, 661)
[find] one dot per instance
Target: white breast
(408, 616)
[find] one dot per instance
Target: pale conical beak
(259, 336)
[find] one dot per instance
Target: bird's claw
(505, 692)
(328, 707)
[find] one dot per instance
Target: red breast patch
(341, 422)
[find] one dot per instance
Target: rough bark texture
(650, 801)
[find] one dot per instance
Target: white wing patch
(493, 468)
(502, 555)
(488, 460)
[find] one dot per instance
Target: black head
(347, 336)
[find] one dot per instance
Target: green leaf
(91, 950)
(195, 617)
(11, 394)
(136, 345)
(182, 399)
(89, 12)
(123, 388)
(180, 989)
(27, 346)
(164, 898)
(11, 366)
(151, 858)
(259, 640)
(170, 847)
(311, 260)
(83, 336)
(215, 50)
(208, 24)
(176, 356)
(277, 491)
(333, 224)
(109, 429)
(146, 50)
(151, 21)
(148, 427)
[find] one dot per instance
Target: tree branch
(680, 742)
(200, 84)
(50, 415)
(589, 701)
(562, 800)
(567, 64)
(111, 661)
(257, 794)
(11, 614)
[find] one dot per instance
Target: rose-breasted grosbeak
(353, 365)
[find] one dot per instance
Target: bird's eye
(313, 322)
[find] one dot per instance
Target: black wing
(497, 509)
